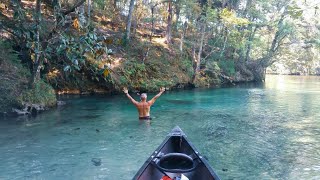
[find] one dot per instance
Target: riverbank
(73, 57)
(163, 67)
(97, 59)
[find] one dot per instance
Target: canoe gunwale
(176, 132)
(150, 159)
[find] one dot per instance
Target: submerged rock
(29, 108)
(61, 103)
(96, 161)
(20, 112)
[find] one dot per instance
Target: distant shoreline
(275, 74)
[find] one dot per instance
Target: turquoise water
(267, 131)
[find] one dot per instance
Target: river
(253, 131)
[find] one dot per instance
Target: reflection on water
(266, 131)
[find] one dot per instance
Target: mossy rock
(42, 93)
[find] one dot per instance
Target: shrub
(227, 67)
(41, 93)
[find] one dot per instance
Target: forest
(51, 47)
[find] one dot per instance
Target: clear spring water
(269, 131)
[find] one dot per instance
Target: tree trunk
(225, 42)
(89, 12)
(135, 24)
(202, 23)
(81, 16)
(182, 35)
(115, 4)
(181, 42)
(277, 35)
(248, 6)
(194, 58)
(152, 22)
(131, 6)
(250, 42)
(202, 30)
(266, 61)
(177, 16)
(37, 62)
(169, 23)
(257, 67)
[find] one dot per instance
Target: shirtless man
(144, 106)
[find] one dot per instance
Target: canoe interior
(176, 144)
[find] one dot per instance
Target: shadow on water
(89, 117)
(245, 85)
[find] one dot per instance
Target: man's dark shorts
(145, 118)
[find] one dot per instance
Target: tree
(89, 11)
(129, 19)
(37, 62)
(169, 22)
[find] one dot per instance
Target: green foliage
(295, 11)
(76, 52)
(100, 4)
(83, 52)
(41, 93)
(7, 54)
(15, 82)
(135, 69)
(14, 77)
(187, 66)
(213, 66)
(75, 47)
(288, 29)
(212, 15)
(236, 39)
(227, 67)
(316, 42)
(133, 75)
(159, 69)
(230, 18)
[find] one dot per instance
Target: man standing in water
(144, 106)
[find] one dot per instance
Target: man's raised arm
(125, 90)
(156, 96)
